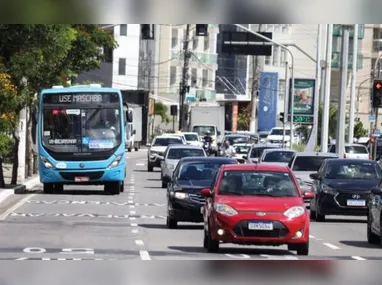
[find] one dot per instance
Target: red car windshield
(257, 183)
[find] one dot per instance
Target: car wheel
(164, 184)
(319, 217)
(150, 168)
(312, 214)
(212, 245)
(302, 248)
(171, 223)
(205, 240)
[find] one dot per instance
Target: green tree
(244, 117)
(359, 130)
(161, 110)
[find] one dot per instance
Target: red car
(255, 204)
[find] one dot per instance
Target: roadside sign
(371, 118)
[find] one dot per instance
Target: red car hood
(264, 204)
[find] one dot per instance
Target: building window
(195, 41)
(107, 55)
(122, 66)
(123, 30)
(336, 44)
(281, 89)
(172, 75)
(283, 59)
(207, 43)
(205, 78)
(194, 78)
(174, 39)
(267, 60)
(275, 56)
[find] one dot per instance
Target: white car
(193, 139)
(173, 154)
(353, 151)
(256, 151)
(157, 149)
(280, 156)
(177, 135)
(276, 137)
(242, 150)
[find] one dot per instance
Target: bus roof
(79, 89)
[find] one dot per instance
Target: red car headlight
(225, 209)
(294, 212)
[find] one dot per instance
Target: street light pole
(353, 82)
(292, 75)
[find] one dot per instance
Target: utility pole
(184, 80)
(340, 137)
(254, 88)
(313, 136)
(328, 77)
(353, 81)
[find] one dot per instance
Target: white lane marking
(130, 201)
(135, 231)
(134, 225)
(140, 164)
(332, 246)
(139, 242)
(290, 257)
(15, 207)
(144, 255)
(5, 194)
(22, 258)
(311, 236)
(265, 255)
(238, 256)
(358, 258)
(132, 212)
(132, 207)
(132, 218)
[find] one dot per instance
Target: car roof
(209, 159)
(190, 133)
(313, 153)
(167, 137)
(242, 144)
(183, 146)
(255, 167)
(350, 161)
(237, 135)
(351, 144)
(173, 134)
(279, 149)
(265, 145)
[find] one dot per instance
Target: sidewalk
(28, 184)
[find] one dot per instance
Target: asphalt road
(86, 224)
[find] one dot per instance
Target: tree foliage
(161, 110)
(244, 117)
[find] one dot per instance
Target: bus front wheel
(114, 188)
(48, 188)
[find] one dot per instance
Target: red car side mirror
(206, 193)
(308, 195)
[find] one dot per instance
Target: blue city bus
(81, 138)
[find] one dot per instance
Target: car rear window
(167, 141)
(179, 153)
(356, 150)
(278, 156)
(308, 163)
(258, 151)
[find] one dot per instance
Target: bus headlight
(46, 162)
(116, 161)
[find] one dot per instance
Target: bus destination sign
(81, 98)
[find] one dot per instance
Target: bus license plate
(81, 179)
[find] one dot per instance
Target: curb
(26, 187)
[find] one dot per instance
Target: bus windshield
(81, 124)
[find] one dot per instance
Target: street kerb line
(15, 207)
(332, 246)
(5, 194)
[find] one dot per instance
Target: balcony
(337, 31)
(336, 60)
(201, 57)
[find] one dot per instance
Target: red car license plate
(81, 179)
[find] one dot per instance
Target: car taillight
(370, 157)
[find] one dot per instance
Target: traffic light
(282, 117)
(201, 30)
(147, 32)
(377, 94)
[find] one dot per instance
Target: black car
(343, 187)
(374, 221)
(191, 175)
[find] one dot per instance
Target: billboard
(303, 107)
(268, 97)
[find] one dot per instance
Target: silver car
(256, 151)
(173, 154)
(305, 163)
(277, 156)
